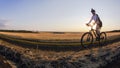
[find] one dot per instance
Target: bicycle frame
(93, 31)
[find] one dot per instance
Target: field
(52, 35)
(51, 47)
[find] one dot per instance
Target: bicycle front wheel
(87, 39)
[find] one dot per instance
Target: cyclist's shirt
(95, 20)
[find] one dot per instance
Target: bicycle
(88, 37)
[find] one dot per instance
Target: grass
(52, 44)
(51, 36)
(46, 35)
(49, 50)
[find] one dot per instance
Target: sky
(57, 15)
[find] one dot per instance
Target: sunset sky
(57, 15)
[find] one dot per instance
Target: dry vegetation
(52, 35)
(70, 58)
(49, 56)
(4, 63)
(45, 35)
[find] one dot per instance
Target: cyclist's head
(92, 11)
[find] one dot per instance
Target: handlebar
(89, 25)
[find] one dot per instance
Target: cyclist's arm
(90, 20)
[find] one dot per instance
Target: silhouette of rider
(96, 22)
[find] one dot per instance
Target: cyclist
(97, 22)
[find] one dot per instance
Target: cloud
(3, 23)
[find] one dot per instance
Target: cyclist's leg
(98, 31)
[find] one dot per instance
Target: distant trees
(21, 31)
(114, 31)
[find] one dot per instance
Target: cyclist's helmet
(92, 10)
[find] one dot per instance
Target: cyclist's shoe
(97, 38)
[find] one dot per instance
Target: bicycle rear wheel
(86, 39)
(103, 38)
